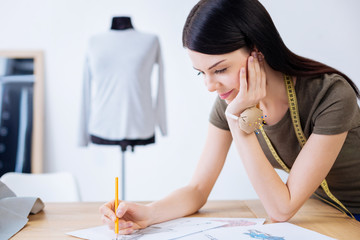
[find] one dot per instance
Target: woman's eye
(220, 71)
(199, 73)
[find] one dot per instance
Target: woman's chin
(228, 101)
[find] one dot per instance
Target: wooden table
(60, 218)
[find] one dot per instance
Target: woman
(236, 47)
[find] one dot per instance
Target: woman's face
(221, 72)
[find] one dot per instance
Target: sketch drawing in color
(263, 236)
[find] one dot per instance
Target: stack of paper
(208, 229)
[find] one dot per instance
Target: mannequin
(121, 23)
(118, 107)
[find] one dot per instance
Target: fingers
(257, 70)
(108, 217)
(125, 227)
(121, 210)
(262, 71)
(107, 210)
(243, 82)
(256, 76)
(126, 231)
(125, 224)
(108, 221)
(256, 63)
(251, 73)
(254, 72)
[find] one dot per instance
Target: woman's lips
(225, 95)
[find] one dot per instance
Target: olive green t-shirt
(327, 105)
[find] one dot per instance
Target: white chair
(49, 187)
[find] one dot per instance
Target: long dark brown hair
(223, 26)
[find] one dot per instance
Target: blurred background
(324, 30)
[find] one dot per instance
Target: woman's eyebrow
(214, 65)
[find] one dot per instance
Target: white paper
(230, 222)
(275, 231)
(167, 230)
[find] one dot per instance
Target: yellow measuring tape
(294, 112)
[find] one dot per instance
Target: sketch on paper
(210, 237)
(236, 222)
(261, 235)
(274, 231)
(229, 224)
(255, 234)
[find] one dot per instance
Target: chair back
(49, 187)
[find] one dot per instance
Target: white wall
(325, 30)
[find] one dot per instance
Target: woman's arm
(192, 197)
(282, 201)
(181, 202)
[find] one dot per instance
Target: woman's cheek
(232, 96)
(235, 81)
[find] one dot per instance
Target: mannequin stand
(123, 146)
(123, 175)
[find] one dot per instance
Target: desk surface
(60, 218)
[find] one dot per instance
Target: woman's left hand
(252, 85)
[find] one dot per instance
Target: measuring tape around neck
(294, 112)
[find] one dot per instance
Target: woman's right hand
(252, 85)
(131, 216)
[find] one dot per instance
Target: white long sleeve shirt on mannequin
(117, 100)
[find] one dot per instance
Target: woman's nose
(211, 84)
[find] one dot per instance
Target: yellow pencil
(116, 206)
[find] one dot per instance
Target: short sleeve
(217, 115)
(338, 110)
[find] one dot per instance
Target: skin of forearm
(273, 193)
(182, 202)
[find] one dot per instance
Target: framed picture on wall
(21, 111)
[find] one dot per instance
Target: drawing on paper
(173, 229)
(210, 237)
(261, 235)
(153, 230)
(235, 223)
(142, 232)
